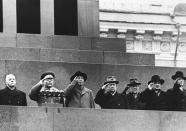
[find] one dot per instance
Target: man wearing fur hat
(153, 96)
(44, 91)
(108, 97)
(176, 97)
(77, 95)
(133, 95)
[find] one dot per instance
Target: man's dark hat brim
(133, 84)
(117, 82)
(161, 81)
(47, 73)
(155, 79)
(178, 74)
(79, 73)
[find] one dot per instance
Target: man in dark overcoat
(132, 93)
(10, 95)
(153, 96)
(108, 97)
(176, 96)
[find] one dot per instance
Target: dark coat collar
(9, 90)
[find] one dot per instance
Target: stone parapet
(69, 119)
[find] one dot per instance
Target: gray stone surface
(71, 119)
(5, 118)
(71, 42)
(71, 56)
(88, 18)
(7, 40)
(62, 42)
(39, 120)
(105, 120)
(75, 56)
(128, 58)
(33, 40)
(30, 119)
(108, 44)
(11, 53)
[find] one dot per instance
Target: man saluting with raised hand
(108, 97)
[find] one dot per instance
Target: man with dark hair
(153, 96)
(133, 95)
(10, 95)
(77, 95)
(108, 97)
(176, 96)
(44, 91)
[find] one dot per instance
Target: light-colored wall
(143, 6)
(47, 17)
(9, 17)
(88, 18)
(68, 119)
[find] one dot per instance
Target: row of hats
(78, 73)
(112, 79)
(157, 79)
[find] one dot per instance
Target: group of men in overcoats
(78, 96)
(151, 98)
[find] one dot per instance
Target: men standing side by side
(10, 95)
(108, 97)
(153, 96)
(133, 95)
(176, 96)
(44, 91)
(77, 95)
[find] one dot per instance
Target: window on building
(1, 16)
(65, 17)
(28, 16)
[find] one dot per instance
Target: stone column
(9, 17)
(138, 46)
(47, 17)
(88, 18)
(8, 37)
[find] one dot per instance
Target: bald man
(10, 95)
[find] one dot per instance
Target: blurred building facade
(147, 26)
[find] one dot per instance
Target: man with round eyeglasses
(44, 91)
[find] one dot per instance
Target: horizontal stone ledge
(37, 118)
(111, 57)
(81, 56)
(62, 42)
(71, 56)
